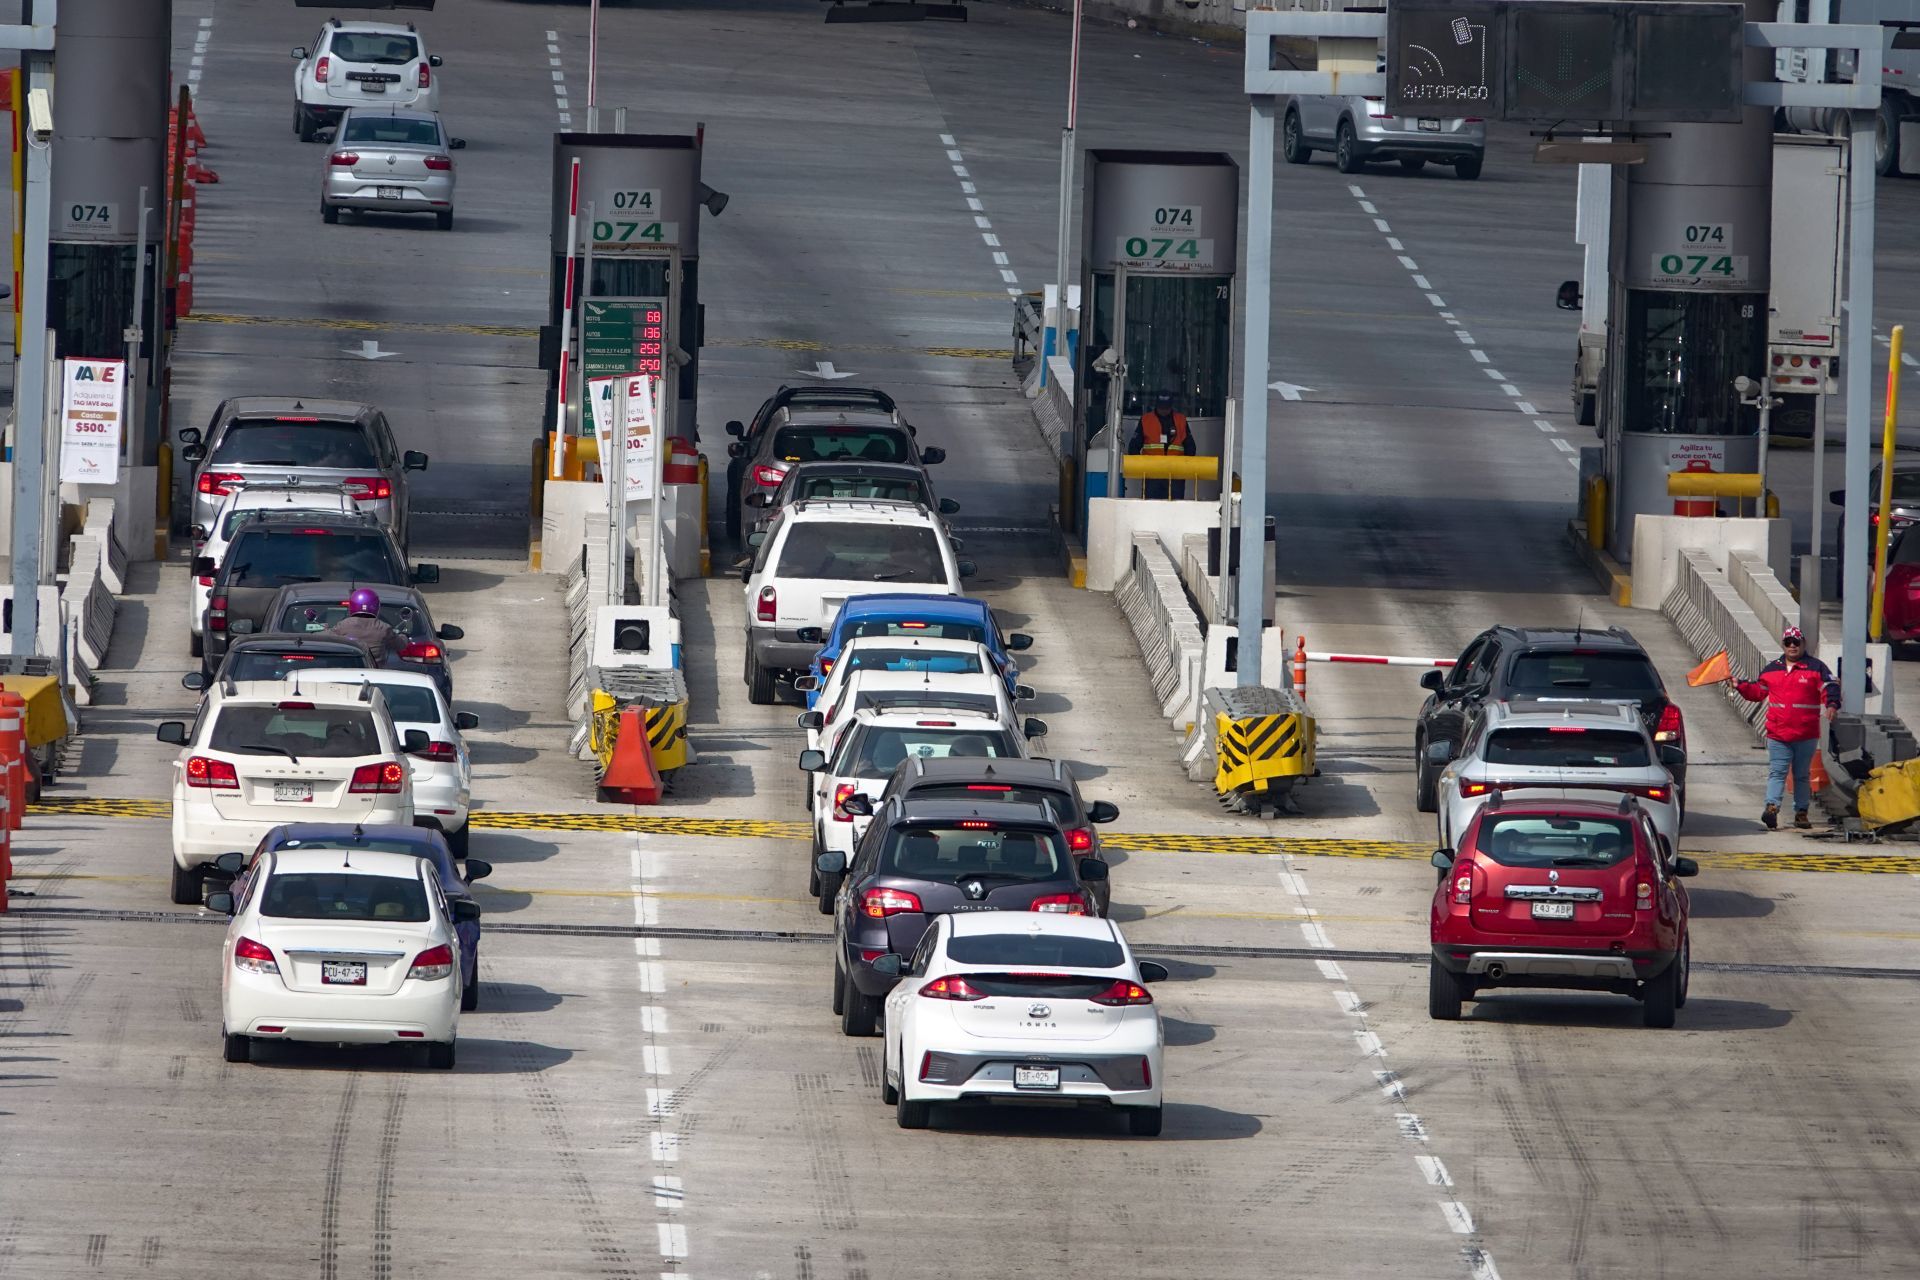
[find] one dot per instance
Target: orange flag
(1712, 671)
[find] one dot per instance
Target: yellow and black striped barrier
(667, 735)
(1256, 753)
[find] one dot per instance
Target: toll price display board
(625, 336)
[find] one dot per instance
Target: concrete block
(1112, 522)
(1658, 541)
(569, 508)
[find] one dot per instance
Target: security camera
(40, 115)
(1743, 385)
(1107, 361)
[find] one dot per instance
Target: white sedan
(1025, 1008)
(334, 946)
(442, 770)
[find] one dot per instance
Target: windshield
(983, 850)
(318, 615)
(1572, 673)
(275, 558)
(377, 47)
(932, 660)
(271, 442)
(391, 129)
(1555, 841)
(344, 895)
(873, 751)
(862, 552)
(912, 627)
(865, 444)
(291, 729)
(885, 488)
(1035, 948)
(1569, 747)
(253, 664)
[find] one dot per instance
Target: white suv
(361, 64)
(265, 752)
(815, 555)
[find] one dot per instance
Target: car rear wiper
(268, 746)
(993, 875)
(1573, 682)
(1581, 860)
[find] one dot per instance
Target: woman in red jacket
(1796, 688)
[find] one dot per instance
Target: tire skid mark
(677, 1099)
(383, 1179)
(336, 1173)
(832, 1197)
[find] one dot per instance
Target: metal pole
(131, 385)
(613, 465)
(557, 459)
(580, 320)
(1252, 609)
(1819, 475)
(664, 419)
(1853, 608)
(30, 407)
(1066, 174)
(1876, 617)
(1229, 440)
(1765, 405)
(1117, 387)
(593, 59)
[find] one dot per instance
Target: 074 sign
(612, 231)
(1700, 264)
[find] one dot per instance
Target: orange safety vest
(1155, 441)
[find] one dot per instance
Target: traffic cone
(1817, 775)
(13, 752)
(631, 777)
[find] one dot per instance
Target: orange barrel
(1696, 506)
(683, 461)
(13, 752)
(1300, 667)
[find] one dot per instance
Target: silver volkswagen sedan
(390, 161)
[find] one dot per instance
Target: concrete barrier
(1168, 631)
(1053, 407)
(1658, 540)
(101, 524)
(1113, 523)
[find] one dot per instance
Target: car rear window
(275, 442)
(864, 444)
(410, 702)
(277, 730)
(1578, 673)
(873, 751)
(941, 662)
(279, 558)
(1568, 747)
(832, 550)
(253, 664)
(376, 47)
(392, 129)
(993, 793)
(887, 489)
(973, 704)
(987, 850)
(1553, 841)
(1035, 948)
(318, 615)
(343, 895)
(912, 627)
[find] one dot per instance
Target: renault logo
(974, 890)
(1039, 1011)
(1553, 876)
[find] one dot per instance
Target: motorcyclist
(364, 625)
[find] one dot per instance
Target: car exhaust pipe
(1496, 971)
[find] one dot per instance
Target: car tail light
(1469, 788)
(344, 159)
(1463, 883)
(769, 477)
(1065, 904)
(252, 957)
(1658, 794)
(988, 786)
(217, 484)
(205, 581)
(878, 904)
(432, 964)
(1146, 1073)
(826, 667)
(1122, 992)
(216, 612)
(439, 164)
(213, 775)
(320, 69)
(766, 604)
(954, 987)
(381, 779)
(1643, 896)
(840, 794)
(1672, 727)
(426, 76)
(423, 651)
(1566, 728)
(1377, 109)
(1079, 840)
(365, 487)
(913, 626)
(294, 706)
(938, 724)
(444, 752)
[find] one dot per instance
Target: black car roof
(1583, 637)
(1012, 813)
(1038, 771)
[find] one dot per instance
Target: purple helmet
(363, 601)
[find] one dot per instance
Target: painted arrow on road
(824, 370)
(1288, 390)
(369, 350)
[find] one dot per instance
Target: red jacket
(1794, 696)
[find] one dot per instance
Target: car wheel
(912, 1114)
(444, 221)
(440, 1056)
(839, 985)
(470, 992)
(238, 1048)
(1143, 1122)
(859, 1012)
(1413, 164)
(1660, 998)
(1346, 149)
(733, 513)
(1468, 168)
(759, 680)
(187, 886)
(1293, 144)
(889, 1094)
(1443, 993)
(303, 123)
(329, 214)
(1685, 961)
(196, 645)
(1886, 140)
(1426, 785)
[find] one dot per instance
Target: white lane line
(1293, 883)
(654, 1060)
(1574, 461)
(1509, 389)
(1434, 1172)
(1409, 263)
(653, 979)
(972, 204)
(1457, 1217)
(1358, 194)
(1009, 277)
(667, 1192)
(946, 140)
(563, 104)
(966, 188)
(1526, 408)
(1381, 224)
(200, 41)
(561, 75)
(1347, 1000)
(666, 1147)
(993, 241)
(1316, 936)
(999, 259)
(1420, 282)
(653, 1019)
(1330, 971)
(981, 222)
(1495, 374)
(1479, 355)
(1370, 1046)
(1538, 422)
(659, 1102)
(1390, 1087)
(1436, 300)
(1480, 1265)
(1411, 1126)
(1559, 442)
(554, 62)
(1464, 336)
(960, 171)
(673, 1240)
(1366, 206)
(952, 155)
(1394, 244)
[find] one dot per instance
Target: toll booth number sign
(631, 218)
(1172, 243)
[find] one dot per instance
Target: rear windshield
(943, 662)
(988, 852)
(249, 664)
(1555, 841)
(862, 553)
(885, 488)
(270, 442)
(321, 732)
(1035, 948)
(279, 558)
(874, 751)
(992, 793)
(318, 615)
(931, 630)
(375, 47)
(1906, 547)
(973, 704)
(343, 895)
(863, 444)
(1568, 747)
(1568, 673)
(416, 133)
(410, 702)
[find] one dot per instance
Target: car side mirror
(476, 869)
(187, 435)
(194, 680)
(464, 720)
(230, 864)
(413, 460)
(221, 902)
(806, 684)
(932, 457)
(1024, 693)
(415, 740)
(1152, 971)
(887, 966)
(759, 499)
(1433, 680)
(736, 450)
(811, 635)
(451, 632)
(948, 507)
(1439, 753)
(1838, 497)
(1442, 859)
(1102, 811)
(858, 805)
(299, 53)
(831, 865)
(465, 909)
(425, 574)
(1034, 727)
(194, 453)
(736, 428)
(813, 761)
(433, 59)
(1568, 297)
(1093, 870)
(757, 539)
(958, 544)
(809, 719)
(1019, 642)
(173, 731)
(1671, 755)
(243, 626)
(1685, 867)
(203, 567)
(456, 144)
(968, 568)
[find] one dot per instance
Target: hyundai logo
(1040, 1011)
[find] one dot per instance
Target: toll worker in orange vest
(1163, 430)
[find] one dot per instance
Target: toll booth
(1158, 263)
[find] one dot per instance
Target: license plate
(344, 973)
(1431, 126)
(373, 88)
(1553, 911)
(1036, 1077)
(293, 793)
(390, 193)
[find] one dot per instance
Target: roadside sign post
(613, 464)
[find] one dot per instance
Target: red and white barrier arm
(1380, 659)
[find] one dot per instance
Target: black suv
(779, 405)
(279, 548)
(1574, 664)
(923, 858)
(277, 657)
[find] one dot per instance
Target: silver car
(1360, 129)
(285, 440)
(390, 161)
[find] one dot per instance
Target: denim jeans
(1799, 757)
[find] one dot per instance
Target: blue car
(933, 617)
(422, 842)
